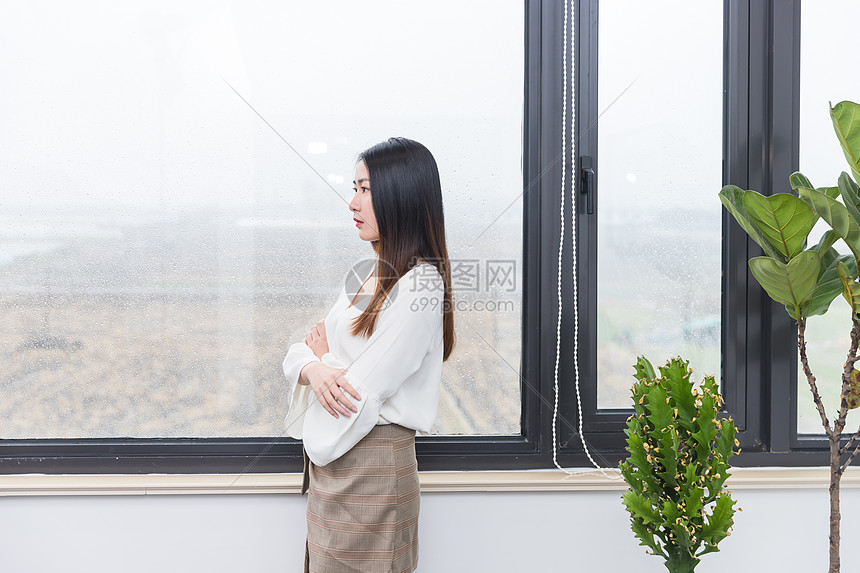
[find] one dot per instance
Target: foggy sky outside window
(823, 82)
(161, 247)
(660, 170)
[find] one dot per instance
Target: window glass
(823, 82)
(161, 246)
(659, 172)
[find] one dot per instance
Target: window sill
(431, 482)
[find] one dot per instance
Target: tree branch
(804, 360)
(847, 368)
(849, 460)
(850, 442)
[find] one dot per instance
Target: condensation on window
(174, 203)
(660, 170)
(823, 83)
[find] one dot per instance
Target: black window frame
(542, 84)
(759, 369)
(761, 111)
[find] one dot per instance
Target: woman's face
(361, 205)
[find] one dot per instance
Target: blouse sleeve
(330, 359)
(405, 332)
(298, 356)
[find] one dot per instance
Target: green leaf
(726, 440)
(799, 181)
(693, 501)
(710, 386)
(660, 413)
(705, 437)
(828, 288)
(715, 484)
(850, 287)
(637, 470)
(829, 285)
(630, 475)
(668, 455)
(691, 475)
(670, 512)
(675, 368)
(707, 409)
(646, 537)
(846, 122)
(637, 453)
(850, 195)
(837, 216)
(825, 247)
(673, 520)
(791, 284)
(644, 369)
(732, 199)
(640, 507)
(681, 393)
(785, 220)
(719, 521)
(707, 425)
(708, 549)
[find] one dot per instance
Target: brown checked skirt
(363, 507)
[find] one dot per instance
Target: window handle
(588, 186)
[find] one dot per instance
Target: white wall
(779, 530)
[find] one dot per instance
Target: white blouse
(397, 371)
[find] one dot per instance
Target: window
(761, 64)
(821, 160)
(651, 125)
(173, 215)
(659, 144)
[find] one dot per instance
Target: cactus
(678, 464)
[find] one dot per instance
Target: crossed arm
(396, 350)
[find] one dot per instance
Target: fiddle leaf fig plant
(679, 461)
(806, 279)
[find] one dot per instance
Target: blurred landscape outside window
(161, 246)
(660, 154)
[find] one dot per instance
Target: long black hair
(406, 194)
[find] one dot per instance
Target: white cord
(569, 8)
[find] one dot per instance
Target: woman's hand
(329, 385)
(317, 340)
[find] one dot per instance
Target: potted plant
(679, 461)
(806, 278)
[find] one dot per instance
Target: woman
(368, 376)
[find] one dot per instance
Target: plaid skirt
(363, 507)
